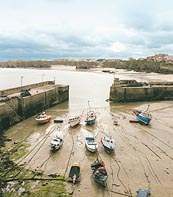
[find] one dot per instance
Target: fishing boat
(74, 174)
(108, 144)
(90, 116)
(99, 172)
(74, 121)
(91, 144)
(144, 116)
(43, 118)
(57, 142)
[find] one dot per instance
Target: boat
(57, 142)
(108, 144)
(90, 116)
(91, 144)
(74, 121)
(144, 116)
(74, 174)
(43, 118)
(134, 121)
(58, 121)
(99, 172)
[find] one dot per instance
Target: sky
(77, 29)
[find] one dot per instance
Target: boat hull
(92, 147)
(43, 120)
(143, 120)
(74, 121)
(90, 122)
(108, 144)
(74, 174)
(56, 147)
(90, 144)
(101, 179)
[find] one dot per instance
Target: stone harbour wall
(19, 108)
(119, 93)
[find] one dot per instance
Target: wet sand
(143, 156)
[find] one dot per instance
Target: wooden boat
(91, 144)
(74, 121)
(74, 175)
(108, 144)
(144, 116)
(43, 118)
(99, 172)
(57, 142)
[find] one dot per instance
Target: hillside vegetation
(140, 65)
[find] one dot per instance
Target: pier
(20, 103)
(132, 91)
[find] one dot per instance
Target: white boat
(91, 144)
(90, 116)
(56, 142)
(108, 144)
(43, 118)
(74, 121)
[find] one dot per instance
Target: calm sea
(84, 86)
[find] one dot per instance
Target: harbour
(142, 157)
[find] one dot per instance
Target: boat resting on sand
(99, 175)
(144, 116)
(57, 142)
(74, 121)
(108, 144)
(91, 144)
(90, 118)
(74, 174)
(43, 118)
(58, 121)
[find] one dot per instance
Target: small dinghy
(74, 175)
(91, 144)
(58, 121)
(108, 144)
(57, 142)
(99, 172)
(43, 118)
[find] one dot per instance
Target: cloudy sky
(50, 29)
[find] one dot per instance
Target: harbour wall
(121, 93)
(17, 89)
(18, 108)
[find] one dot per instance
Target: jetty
(20, 103)
(133, 91)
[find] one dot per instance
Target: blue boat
(90, 117)
(99, 173)
(144, 116)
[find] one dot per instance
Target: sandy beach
(142, 158)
